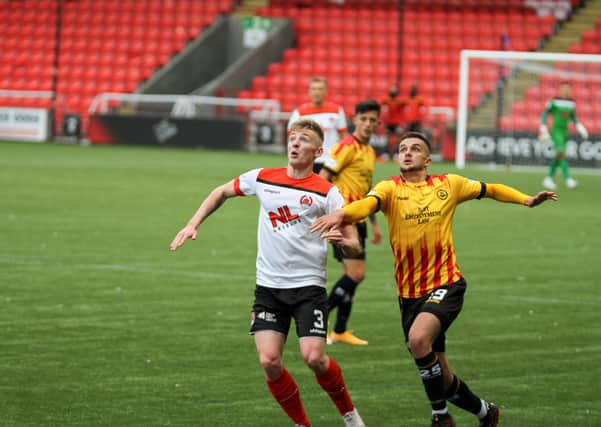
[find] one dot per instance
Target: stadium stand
(331, 42)
(27, 57)
(586, 92)
(79, 48)
(418, 42)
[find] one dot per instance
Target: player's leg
(425, 321)
(565, 170)
(559, 143)
(460, 395)
(329, 376)
(343, 292)
(270, 325)
(310, 317)
(424, 330)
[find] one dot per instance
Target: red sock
(333, 384)
(285, 391)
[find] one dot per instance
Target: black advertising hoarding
(524, 148)
(167, 131)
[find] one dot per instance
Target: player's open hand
(326, 222)
(539, 198)
(188, 232)
(333, 235)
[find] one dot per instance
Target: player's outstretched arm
(354, 212)
(213, 202)
(540, 198)
(507, 194)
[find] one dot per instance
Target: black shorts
(362, 234)
(444, 302)
(274, 308)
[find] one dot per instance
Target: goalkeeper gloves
(543, 133)
(582, 130)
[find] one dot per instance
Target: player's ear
(428, 161)
(319, 151)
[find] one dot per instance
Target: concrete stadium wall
(218, 59)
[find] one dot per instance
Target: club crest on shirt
(306, 201)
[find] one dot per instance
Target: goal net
(502, 96)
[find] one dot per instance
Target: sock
(553, 167)
(430, 370)
(565, 169)
(286, 393)
(333, 383)
(459, 394)
(342, 297)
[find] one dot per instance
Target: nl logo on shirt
(283, 218)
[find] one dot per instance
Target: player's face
(413, 155)
(365, 125)
(317, 92)
(303, 148)
(565, 91)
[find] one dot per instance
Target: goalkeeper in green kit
(562, 110)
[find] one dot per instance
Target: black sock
(460, 395)
(430, 370)
(342, 297)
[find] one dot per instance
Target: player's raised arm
(213, 202)
(505, 193)
(351, 213)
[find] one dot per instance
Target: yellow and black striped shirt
(352, 164)
(420, 220)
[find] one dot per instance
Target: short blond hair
(308, 124)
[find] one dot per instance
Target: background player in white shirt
(291, 273)
(329, 115)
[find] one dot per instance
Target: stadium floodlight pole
(468, 54)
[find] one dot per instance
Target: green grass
(101, 325)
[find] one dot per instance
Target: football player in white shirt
(329, 115)
(291, 267)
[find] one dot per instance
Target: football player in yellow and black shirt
(350, 167)
(419, 209)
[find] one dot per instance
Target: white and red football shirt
(289, 255)
(330, 117)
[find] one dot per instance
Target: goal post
(502, 95)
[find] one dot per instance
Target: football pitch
(101, 325)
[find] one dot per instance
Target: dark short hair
(417, 135)
(367, 105)
(308, 124)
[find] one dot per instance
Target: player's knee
(357, 273)
(357, 276)
(315, 360)
(419, 344)
(272, 365)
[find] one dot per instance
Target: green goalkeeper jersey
(562, 111)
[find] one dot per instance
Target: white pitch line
(131, 268)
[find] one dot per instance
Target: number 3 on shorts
(318, 322)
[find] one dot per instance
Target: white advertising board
(24, 124)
